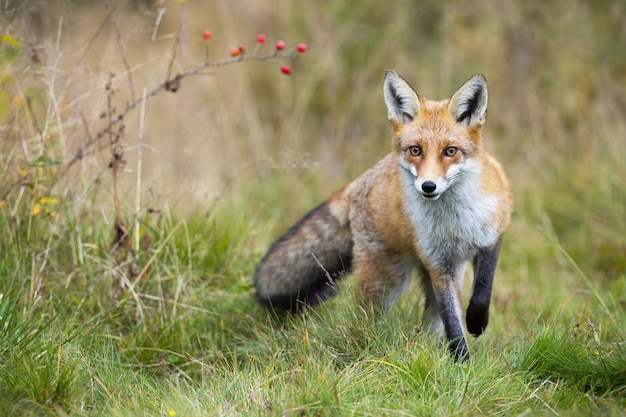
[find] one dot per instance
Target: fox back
(436, 202)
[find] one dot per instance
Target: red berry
(206, 34)
(242, 48)
(234, 51)
(302, 47)
(280, 45)
(285, 69)
(260, 38)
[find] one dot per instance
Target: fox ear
(469, 104)
(402, 101)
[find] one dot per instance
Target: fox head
(436, 141)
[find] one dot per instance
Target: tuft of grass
(588, 357)
(39, 371)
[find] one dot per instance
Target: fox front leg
(448, 296)
(485, 262)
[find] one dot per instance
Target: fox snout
(429, 187)
(430, 190)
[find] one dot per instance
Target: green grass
(198, 344)
(172, 327)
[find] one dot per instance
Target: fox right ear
(469, 104)
(402, 101)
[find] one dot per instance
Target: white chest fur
(452, 228)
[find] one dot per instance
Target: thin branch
(139, 169)
(120, 45)
(181, 32)
(82, 57)
(172, 84)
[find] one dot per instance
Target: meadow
(135, 204)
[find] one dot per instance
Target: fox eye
(415, 150)
(450, 151)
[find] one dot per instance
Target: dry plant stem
(92, 40)
(181, 31)
(116, 151)
(167, 86)
(121, 243)
(139, 169)
(120, 45)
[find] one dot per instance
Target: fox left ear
(401, 100)
(469, 104)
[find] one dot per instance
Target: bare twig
(120, 45)
(172, 84)
(117, 153)
(82, 57)
(181, 32)
(121, 246)
(139, 169)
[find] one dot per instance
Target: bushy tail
(301, 267)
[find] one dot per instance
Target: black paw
(477, 319)
(459, 350)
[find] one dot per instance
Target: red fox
(437, 201)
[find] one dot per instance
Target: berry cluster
(261, 38)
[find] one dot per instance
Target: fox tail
(301, 267)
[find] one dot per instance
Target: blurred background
(277, 145)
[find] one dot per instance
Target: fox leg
(432, 315)
(447, 293)
(485, 263)
(381, 279)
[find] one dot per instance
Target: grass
(168, 325)
(198, 344)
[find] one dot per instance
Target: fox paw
(477, 319)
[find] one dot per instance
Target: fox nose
(429, 186)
